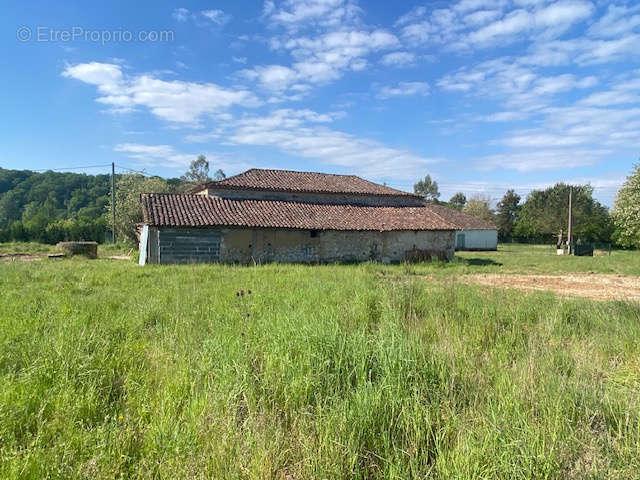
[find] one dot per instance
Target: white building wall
(478, 239)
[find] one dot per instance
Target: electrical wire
(71, 168)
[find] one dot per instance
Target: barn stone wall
(282, 245)
(330, 198)
(237, 245)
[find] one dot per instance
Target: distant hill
(52, 206)
(28, 196)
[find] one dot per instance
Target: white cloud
(580, 126)
(583, 51)
(203, 18)
(563, 13)
(464, 6)
(545, 159)
(471, 24)
(295, 14)
(505, 116)
(272, 77)
(619, 20)
(398, 59)
(481, 17)
(216, 16)
(320, 59)
(302, 133)
(556, 18)
(181, 14)
(155, 155)
(609, 98)
(541, 139)
(519, 86)
(403, 89)
(174, 101)
(107, 77)
(324, 39)
(562, 83)
(412, 16)
(513, 23)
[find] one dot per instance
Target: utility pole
(570, 229)
(113, 201)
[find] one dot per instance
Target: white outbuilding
(473, 233)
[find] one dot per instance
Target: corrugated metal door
(189, 245)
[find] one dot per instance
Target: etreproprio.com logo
(46, 34)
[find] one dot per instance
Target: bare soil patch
(25, 257)
(29, 257)
(594, 286)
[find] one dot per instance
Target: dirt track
(594, 286)
(25, 257)
(28, 257)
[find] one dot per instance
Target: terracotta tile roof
(463, 221)
(292, 181)
(187, 210)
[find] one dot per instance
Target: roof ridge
(274, 179)
(297, 171)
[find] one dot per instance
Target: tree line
(543, 215)
(50, 207)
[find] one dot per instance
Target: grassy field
(109, 370)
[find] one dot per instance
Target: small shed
(472, 233)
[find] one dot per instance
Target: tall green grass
(109, 370)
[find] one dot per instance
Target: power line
(87, 167)
(141, 172)
(84, 167)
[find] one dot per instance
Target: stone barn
(288, 216)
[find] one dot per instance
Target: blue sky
(484, 95)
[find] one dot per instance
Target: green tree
(480, 207)
(428, 188)
(507, 212)
(11, 204)
(458, 201)
(37, 206)
(626, 211)
(545, 213)
(220, 175)
(198, 172)
(128, 210)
